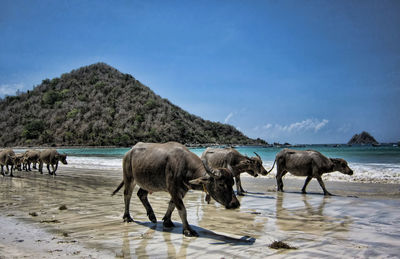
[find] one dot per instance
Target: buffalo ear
(200, 180)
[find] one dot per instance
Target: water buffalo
(171, 167)
(18, 161)
(308, 163)
(230, 158)
(7, 158)
(51, 157)
(31, 156)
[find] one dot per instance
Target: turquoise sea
(370, 164)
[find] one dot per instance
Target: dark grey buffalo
(308, 163)
(7, 158)
(51, 157)
(171, 167)
(230, 158)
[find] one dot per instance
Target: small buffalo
(7, 158)
(171, 167)
(308, 163)
(230, 158)
(18, 161)
(51, 157)
(31, 156)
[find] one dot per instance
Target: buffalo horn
(258, 156)
(211, 171)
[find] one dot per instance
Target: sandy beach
(361, 221)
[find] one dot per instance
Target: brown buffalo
(230, 158)
(7, 158)
(309, 163)
(171, 167)
(31, 156)
(51, 157)
(18, 161)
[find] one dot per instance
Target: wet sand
(363, 220)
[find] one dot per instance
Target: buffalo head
(62, 158)
(253, 166)
(341, 166)
(219, 183)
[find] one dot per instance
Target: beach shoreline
(92, 226)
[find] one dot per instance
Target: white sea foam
(95, 162)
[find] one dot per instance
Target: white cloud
(10, 89)
(268, 126)
(308, 124)
(305, 125)
(228, 117)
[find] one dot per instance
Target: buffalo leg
(167, 218)
(279, 181)
(187, 230)
(142, 194)
(321, 183)
(12, 167)
(2, 170)
(48, 169)
(208, 198)
(34, 166)
(306, 183)
(41, 167)
(239, 187)
(129, 186)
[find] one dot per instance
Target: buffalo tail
(118, 188)
(272, 167)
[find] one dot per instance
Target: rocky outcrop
(362, 139)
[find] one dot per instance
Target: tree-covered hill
(97, 105)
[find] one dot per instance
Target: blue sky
(284, 71)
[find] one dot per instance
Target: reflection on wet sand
(308, 218)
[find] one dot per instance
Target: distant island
(97, 105)
(362, 139)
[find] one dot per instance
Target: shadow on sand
(203, 233)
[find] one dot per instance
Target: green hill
(97, 105)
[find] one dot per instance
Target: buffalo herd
(171, 167)
(23, 161)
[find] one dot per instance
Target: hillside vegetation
(97, 105)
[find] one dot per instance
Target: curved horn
(211, 171)
(258, 156)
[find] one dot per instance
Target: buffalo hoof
(240, 194)
(303, 192)
(208, 199)
(153, 218)
(168, 224)
(328, 194)
(128, 219)
(190, 233)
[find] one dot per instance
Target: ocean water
(370, 164)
